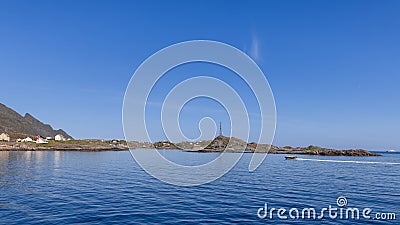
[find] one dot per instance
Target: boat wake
(349, 161)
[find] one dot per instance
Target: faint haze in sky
(255, 49)
(333, 65)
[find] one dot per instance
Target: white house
(28, 139)
(59, 137)
(4, 137)
(40, 140)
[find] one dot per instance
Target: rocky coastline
(219, 144)
(73, 145)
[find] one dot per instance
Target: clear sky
(333, 66)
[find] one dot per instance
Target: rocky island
(222, 143)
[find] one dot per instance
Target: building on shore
(59, 137)
(27, 139)
(40, 140)
(4, 137)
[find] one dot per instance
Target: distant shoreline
(101, 149)
(219, 144)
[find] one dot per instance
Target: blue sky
(333, 66)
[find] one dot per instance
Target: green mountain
(16, 125)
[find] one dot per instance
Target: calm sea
(109, 187)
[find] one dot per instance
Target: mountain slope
(12, 122)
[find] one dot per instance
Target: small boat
(391, 151)
(290, 157)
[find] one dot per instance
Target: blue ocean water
(109, 187)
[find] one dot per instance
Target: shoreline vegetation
(67, 145)
(219, 144)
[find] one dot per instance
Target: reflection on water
(22, 156)
(4, 155)
(18, 165)
(57, 158)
